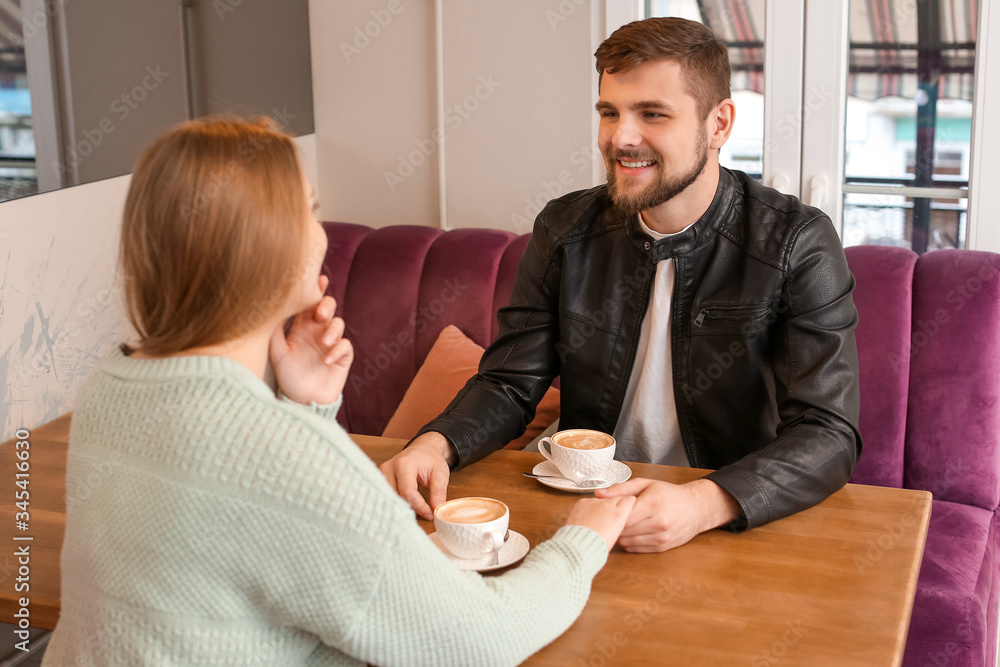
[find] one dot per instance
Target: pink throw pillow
(449, 365)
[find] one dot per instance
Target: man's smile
(630, 166)
(637, 164)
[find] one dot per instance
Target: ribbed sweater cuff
(593, 548)
(326, 410)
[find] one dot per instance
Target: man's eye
(608, 114)
(653, 114)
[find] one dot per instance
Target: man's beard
(661, 190)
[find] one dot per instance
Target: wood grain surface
(833, 585)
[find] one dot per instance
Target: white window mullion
(40, 56)
(783, 52)
(984, 169)
(606, 17)
(824, 107)
(619, 12)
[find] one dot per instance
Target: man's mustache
(632, 156)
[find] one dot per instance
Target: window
(909, 123)
(740, 25)
(17, 140)
(872, 110)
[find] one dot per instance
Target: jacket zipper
(733, 313)
(686, 439)
(635, 348)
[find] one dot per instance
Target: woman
(229, 526)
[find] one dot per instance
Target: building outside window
(909, 109)
(17, 141)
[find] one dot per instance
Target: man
(702, 319)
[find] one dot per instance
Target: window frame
(811, 60)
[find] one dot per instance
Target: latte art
(470, 510)
(582, 455)
(583, 439)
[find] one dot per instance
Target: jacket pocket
(731, 319)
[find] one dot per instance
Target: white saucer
(617, 473)
(514, 549)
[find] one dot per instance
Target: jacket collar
(694, 236)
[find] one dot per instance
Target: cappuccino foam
(583, 439)
(470, 510)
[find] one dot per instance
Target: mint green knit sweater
(210, 523)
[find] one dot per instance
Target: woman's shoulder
(217, 430)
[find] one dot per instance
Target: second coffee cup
(580, 454)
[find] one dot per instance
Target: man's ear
(720, 123)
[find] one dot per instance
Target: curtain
(889, 52)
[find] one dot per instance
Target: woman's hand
(311, 364)
(604, 516)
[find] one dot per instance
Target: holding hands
(604, 516)
(312, 362)
(668, 515)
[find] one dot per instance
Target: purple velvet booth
(929, 345)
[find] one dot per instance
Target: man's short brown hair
(702, 57)
(214, 231)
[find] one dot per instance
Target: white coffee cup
(472, 527)
(580, 454)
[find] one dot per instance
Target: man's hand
(425, 462)
(667, 515)
(311, 365)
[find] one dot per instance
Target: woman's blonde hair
(213, 233)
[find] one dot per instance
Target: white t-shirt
(648, 430)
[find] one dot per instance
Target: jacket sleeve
(815, 365)
(497, 404)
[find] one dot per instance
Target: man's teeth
(636, 165)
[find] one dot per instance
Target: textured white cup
(578, 465)
(471, 540)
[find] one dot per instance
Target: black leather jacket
(765, 362)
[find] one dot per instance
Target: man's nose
(626, 134)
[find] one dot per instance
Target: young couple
(236, 527)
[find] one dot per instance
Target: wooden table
(833, 585)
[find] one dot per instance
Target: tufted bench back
(397, 288)
(930, 371)
(927, 341)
